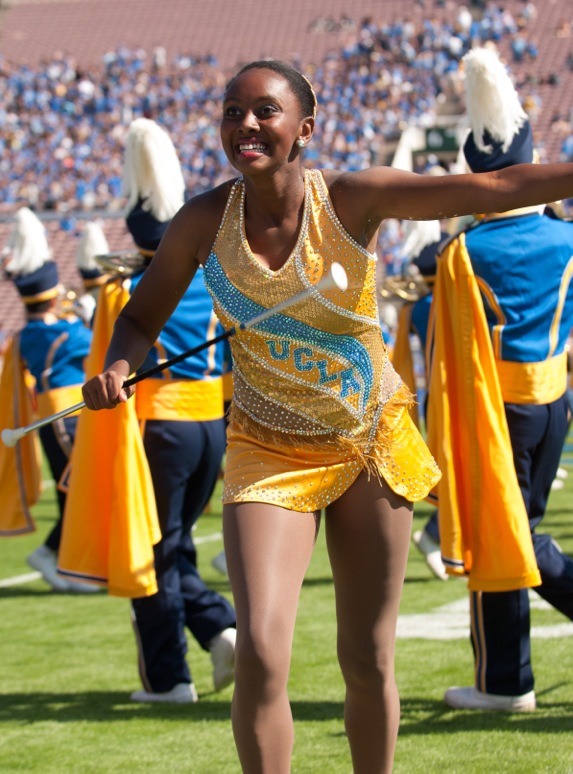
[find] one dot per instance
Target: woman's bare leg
(368, 537)
(268, 550)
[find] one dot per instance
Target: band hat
(92, 242)
(422, 239)
(426, 261)
(520, 151)
(27, 244)
(145, 229)
(42, 284)
(30, 266)
(152, 182)
(500, 133)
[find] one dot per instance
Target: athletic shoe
(427, 546)
(471, 698)
(222, 649)
(182, 693)
(557, 483)
(562, 473)
(219, 562)
(45, 561)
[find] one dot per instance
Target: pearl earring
(300, 143)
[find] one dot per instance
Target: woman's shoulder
(197, 222)
(341, 184)
(329, 176)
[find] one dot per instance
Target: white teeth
(251, 146)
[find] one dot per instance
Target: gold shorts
(308, 479)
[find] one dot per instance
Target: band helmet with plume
(152, 182)
(500, 132)
(30, 265)
(27, 246)
(92, 242)
(151, 170)
(420, 234)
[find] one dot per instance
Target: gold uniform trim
(54, 401)
(179, 399)
(538, 383)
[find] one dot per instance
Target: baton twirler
(336, 278)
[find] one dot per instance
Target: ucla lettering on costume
(318, 404)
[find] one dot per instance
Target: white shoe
(427, 546)
(45, 561)
(182, 693)
(471, 698)
(562, 473)
(557, 483)
(222, 649)
(219, 562)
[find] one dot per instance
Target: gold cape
(484, 529)
(110, 521)
(402, 359)
(21, 465)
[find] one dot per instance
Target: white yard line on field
(19, 580)
(208, 538)
(445, 622)
(30, 577)
(452, 621)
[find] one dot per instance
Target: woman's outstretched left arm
(371, 195)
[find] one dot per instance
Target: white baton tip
(339, 276)
(9, 438)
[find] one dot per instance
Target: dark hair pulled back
(300, 85)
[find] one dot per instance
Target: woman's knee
(262, 658)
(366, 666)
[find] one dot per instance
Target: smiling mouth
(251, 147)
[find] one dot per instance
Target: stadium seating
(329, 40)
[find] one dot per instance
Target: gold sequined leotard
(316, 399)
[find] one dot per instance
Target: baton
(336, 278)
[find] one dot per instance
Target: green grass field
(68, 664)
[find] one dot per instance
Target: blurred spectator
(62, 126)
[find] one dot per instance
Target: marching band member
(92, 243)
(503, 309)
(52, 347)
(181, 418)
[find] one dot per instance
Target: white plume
(152, 170)
(27, 244)
(419, 234)
(492, 102)
(92, 242)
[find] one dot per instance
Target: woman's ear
(307, 130)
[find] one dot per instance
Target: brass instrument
(410, 288)
(123, 263)
(76, 300)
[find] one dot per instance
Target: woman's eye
(231, 112)
(267, 110)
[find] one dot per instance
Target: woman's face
(261, 121)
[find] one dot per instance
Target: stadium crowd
(62, 127)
